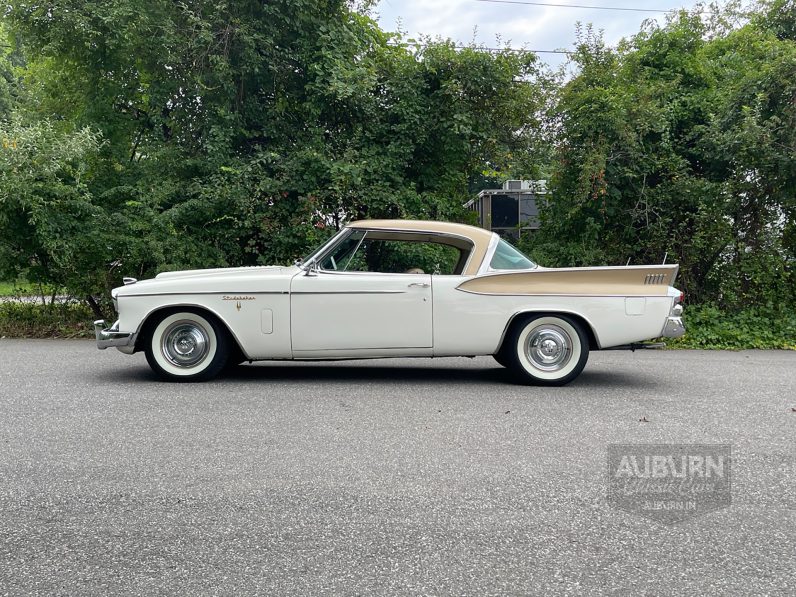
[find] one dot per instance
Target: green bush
(710, 328)
(33, 320)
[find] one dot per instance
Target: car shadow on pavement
(357, 372)
(616, 379)
(354, 371)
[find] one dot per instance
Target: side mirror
(311, 268)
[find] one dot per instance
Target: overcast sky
(535, 27)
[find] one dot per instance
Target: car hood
(233, 280)
(229, 272)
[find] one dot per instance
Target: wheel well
(518, 317)
(154, 317)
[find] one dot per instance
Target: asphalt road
(395, 477)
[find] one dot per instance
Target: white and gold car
(395, 288)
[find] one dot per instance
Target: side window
(408, 257)
(390, 252)
(507, 257)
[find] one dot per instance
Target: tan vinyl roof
(480, 237)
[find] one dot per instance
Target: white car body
(308, 312)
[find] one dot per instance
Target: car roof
(480, 237)
(472, 232)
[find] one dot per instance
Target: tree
(237, 132)
(679, 143)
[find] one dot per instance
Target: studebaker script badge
(237, 299)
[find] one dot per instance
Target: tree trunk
(95, 308)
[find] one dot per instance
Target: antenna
(664, 257)
(628, 261)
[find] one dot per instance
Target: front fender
(258, 322)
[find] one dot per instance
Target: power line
(588, 6)
(483, 48)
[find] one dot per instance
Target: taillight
(682, 297)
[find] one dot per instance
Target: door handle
(419, 285)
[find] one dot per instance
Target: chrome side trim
(315, 350)
(559, 294)
(192, 292)
(349, 291)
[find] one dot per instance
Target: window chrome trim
(354, 252)
(330, 244)
(319, 255)
(490, 252)
(332, 272)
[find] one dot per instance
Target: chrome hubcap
(548, 347)
(185, 344)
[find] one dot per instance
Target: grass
(18, 288)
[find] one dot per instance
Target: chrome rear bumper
(111, 336)
(674, 328)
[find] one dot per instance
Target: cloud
(534, 27)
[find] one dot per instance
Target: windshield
(340, 257)
(507, 257)
(318, 249)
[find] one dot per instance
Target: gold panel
(652, 280)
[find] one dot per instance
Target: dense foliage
(682, 143)
(143, 135)
(234, 132)
(754, 327)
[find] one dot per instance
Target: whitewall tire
(547, 350)
(187, 346)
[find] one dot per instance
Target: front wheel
(187, 346)
(547, 350)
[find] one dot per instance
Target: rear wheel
(187, 346)
(547, 350)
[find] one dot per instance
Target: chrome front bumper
(111, 336)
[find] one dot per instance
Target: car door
(359, 313)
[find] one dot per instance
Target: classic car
(395, 288)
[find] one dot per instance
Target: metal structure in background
(511, 210)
